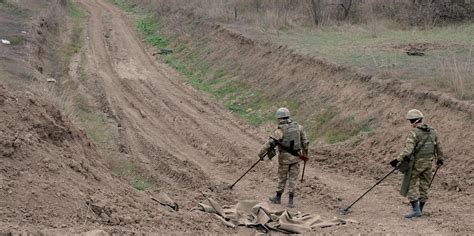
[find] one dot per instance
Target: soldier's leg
(412, 191)
(292, 179)
(425, 179)
(282, 177)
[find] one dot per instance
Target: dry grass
(457, 74)
(51, 94)
(278, 14)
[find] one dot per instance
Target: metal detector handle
(436, 171)
(378, 182)
(259, 160)
(304, 167)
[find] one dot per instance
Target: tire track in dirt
(156, 110)
(183, 138)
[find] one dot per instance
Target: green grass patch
(74, 11)
(67, 51)
(14, 8)
(75, 39)
(366, 125)
(346, 128)
(125, 5)
(218, 74)
(17, 40)
(82, 75)
(328, 125)
(128, 170)
(148, 26)
(96, 124)
(356, 46)
(336, 136)
(252, 107)
(140, 183)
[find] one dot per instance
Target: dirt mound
(52, 175)
(44, 162)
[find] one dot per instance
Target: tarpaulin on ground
(259, 215)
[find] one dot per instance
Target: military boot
(290, 201)
(415, 212)
(276, 199)
(422, 204)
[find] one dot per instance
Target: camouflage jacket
(283, 156)
(431, 148)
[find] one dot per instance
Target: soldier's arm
(439, 149)
(270, 143)
(304, 141)
(409, 146)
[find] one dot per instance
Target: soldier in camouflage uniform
(290, 134)
(422, 146)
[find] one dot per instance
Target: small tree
(346, 6)
(316, 11)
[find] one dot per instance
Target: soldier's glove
(439, 162)
(271, 153)
(406, 158)
(394, 163)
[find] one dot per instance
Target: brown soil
(191, 147)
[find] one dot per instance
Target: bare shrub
(290, 13)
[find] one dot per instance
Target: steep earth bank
(362, 114)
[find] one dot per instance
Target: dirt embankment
(53, 177)
(51, 172)
(332, 99)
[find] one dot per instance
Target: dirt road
(188, 142)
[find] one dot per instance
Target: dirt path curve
(187, 139)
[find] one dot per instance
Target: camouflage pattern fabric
(288, 168)
(431, 147)
(421, 170)
(288, 172)
(284, 157)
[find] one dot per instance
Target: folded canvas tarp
(259, 215)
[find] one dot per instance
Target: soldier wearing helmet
(291, 135)
(421, 147)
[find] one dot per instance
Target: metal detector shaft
(245, 173)
(436, 171)
(302, 176)
(347, 208)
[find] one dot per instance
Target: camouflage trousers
(288, 172)
(422, 172)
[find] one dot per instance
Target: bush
(289, 13)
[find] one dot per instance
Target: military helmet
(414, 114)
(282, 112)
